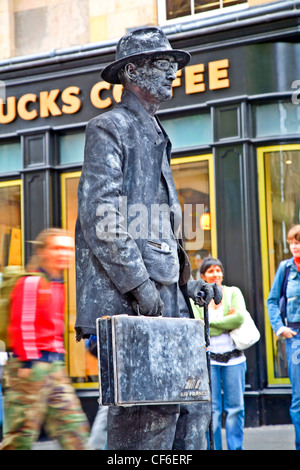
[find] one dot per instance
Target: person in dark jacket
(129, 254)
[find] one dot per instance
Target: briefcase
(151, 360)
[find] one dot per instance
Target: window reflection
(273, 119)
(180, 8)
(71, 148)
(189, 131)
(11, 157)
(206, 5)
(192, 184)
(10, 226)
(83, 367)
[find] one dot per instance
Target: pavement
(277, 437)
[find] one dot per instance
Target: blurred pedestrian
(228, 364)
(37, 389)
(288, 325)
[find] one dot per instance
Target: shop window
(71, 148)
(273, 119)
(173, 9)
(11, 252)
(279, 183)
(10, 157)
(189, 131)
(194, 182)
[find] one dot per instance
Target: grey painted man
(130, 257)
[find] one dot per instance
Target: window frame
(266, 237)
(162, 13)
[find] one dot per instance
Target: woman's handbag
(245, 335)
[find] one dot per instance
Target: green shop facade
(234, 122)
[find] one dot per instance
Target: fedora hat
(150, 41)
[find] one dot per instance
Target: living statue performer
(128, 259)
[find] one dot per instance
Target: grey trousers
(158, 427)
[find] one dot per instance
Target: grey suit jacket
(115, 249)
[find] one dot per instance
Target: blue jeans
(230, 380)
(293, 360)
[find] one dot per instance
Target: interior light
(205, 221)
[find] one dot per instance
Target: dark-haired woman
(228, 364)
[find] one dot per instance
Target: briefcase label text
(191, 388)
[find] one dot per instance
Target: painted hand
(202, 293)
(148, 301)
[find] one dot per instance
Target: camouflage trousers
(45, 398)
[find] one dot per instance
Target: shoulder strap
(285, 281)
(28, 315)
(283, 299)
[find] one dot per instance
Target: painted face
(155, 77)
(213, 274)
(295, 248)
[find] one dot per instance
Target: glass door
(279, 191)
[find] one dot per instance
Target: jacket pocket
(161, 261)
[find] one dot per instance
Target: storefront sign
(46, 105)
(62, 97)
(69, 100)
